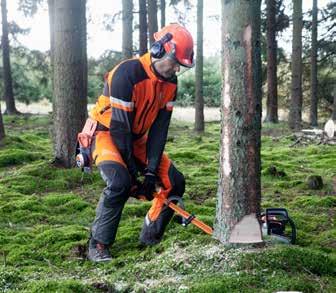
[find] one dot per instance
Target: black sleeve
(122, 115)
(157, 138)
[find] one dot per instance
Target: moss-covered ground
(45, 215)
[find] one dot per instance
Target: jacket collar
(151, 72)
(147, 65)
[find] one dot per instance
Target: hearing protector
(157, 49)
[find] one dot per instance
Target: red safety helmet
(181, 44)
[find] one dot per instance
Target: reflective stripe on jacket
(136, 102)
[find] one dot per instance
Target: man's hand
(147, 188)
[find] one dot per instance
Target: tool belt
(84, 142)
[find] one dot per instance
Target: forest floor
(46, 212)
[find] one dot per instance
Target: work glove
(147, 188)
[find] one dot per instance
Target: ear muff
(157, 50)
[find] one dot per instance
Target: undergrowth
(46, 212)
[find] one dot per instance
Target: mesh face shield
(183, 69)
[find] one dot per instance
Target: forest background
(30, 55)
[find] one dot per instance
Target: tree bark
(239, 188)
(70, 101)
(163, 12)
(51, 11)
(295, 111)
(84, 49)
(313, 68)
(199, 101)
(8, 83)
(152, 20)
(272, 92)
(127, 28)
(333, 115)
(143, 40)
(2, 128)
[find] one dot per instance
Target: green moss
(313, 202)
(46, 213)
(266, 281)
(55, 200)
(61, 286)
(327, 240)
(9, 279)
(290, 259)
(17, 156)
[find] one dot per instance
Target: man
(133, 117)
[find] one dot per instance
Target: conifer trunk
(70, 101)
(313, 68)
(239, 189)
(272, 92)
(84, 48)
(127, 28)
(7, 74)
(51, 11)
(333, 115)
(295, 111)
(143, 40)
(199, 101)
(163, 12)
(152, 20)
(2, 128)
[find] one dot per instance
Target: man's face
(167, 67)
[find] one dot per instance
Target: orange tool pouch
(84, 142)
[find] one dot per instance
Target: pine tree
(127, 31)
(69, 93)
(2, 128)
(295, 111)
(163, 12)
(8, 83)
(313, 68)
(152, 20)
(143, 40)
(199, 101)
(239, 188)
(272, 92)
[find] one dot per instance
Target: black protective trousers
(114, 197)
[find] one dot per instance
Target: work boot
(98, 252)
(150, 233)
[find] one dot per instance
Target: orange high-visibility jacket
(135, 102)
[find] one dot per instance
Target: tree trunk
(295, 111)
(313, 68)
(84, 49)
(199, 102)
(333, 115)
(272, 93)
(7, 74)
(70, 101)
(239, 189)
(143, 40)
(152, 20)
(127, 29)
(2, 128)
(163, 12)
(51, 11)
